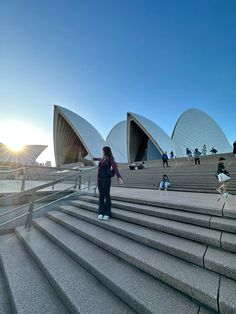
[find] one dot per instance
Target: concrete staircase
(183, 174)
(146, 259)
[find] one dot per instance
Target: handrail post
(30, 214)
(23, 184)
(53, 183)
(88, 183)
(80, 179)
(95, 190)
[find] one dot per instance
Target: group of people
(107, 168)
(196, 154)
(137, 166)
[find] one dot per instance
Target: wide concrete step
(29, 290)
(4, 300)
(177, 205)
(196, 189)
(194, 281)
(79, 290)
(218, 260)
(184, 230)
(218, 223)
(188, 250)
(172, 214)
(159, 267)
(142, 292)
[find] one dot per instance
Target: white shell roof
(88, 135)
(118, 138)
(195, 128)
(158, 136)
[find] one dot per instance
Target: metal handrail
(45, 185)
(33, 201)
(39, 199)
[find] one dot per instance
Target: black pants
(165, 161)
(104, 185)
(197, 161)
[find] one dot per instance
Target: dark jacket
(105, 165)
(164, 157)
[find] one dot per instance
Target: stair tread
(190, 279)
(27, 282)
(180, 247)
(157, 211)
(197, 233)
(83, 292)
(4, 300)
(221, 262)
(123, 275)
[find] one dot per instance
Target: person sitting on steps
(164, 183)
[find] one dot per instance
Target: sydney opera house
(135, 139)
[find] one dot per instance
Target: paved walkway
(201, 200)
(14, 186)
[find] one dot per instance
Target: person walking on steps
(234, 148)
(106, 170)
(189, 153)
(196, 155)
(165, 159)
(223, 177)
(204, 150)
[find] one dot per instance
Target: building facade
(134, 139)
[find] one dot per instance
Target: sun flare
(17, 134)
(14, 147)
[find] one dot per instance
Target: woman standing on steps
(106, 170)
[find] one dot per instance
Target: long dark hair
(107, 151)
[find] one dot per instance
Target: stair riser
(13, 306)
(132, 302)
(198, 210)
(155, 213)
(184, 287)
(47, 274)
(154, 244)
(159, 227)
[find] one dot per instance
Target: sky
(103, 58)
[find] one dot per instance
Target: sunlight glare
(16, 134)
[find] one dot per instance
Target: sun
(14, 147)
(17, 134)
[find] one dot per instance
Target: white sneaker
(105, 217)
(100, 217)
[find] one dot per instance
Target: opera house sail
(76, 140)
(146, 140)
(195, 128)
(134, 139)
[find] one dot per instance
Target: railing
(82, 181)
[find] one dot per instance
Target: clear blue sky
(102, 58)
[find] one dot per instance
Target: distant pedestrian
(223, 176)
(164, 183)
(234, 150)
(132, 166)
(172, 154)
(213, 151)
(165, 159)
(189, 153)
(204, 150)
(106, 170)
(196, 155)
